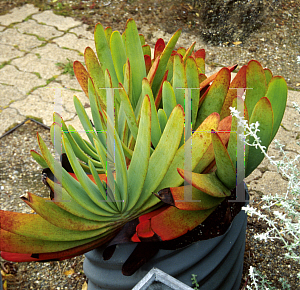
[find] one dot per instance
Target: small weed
(195, 282)
(34, 118)
(66, 67)
(37, 74)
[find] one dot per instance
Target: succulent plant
(133, 166)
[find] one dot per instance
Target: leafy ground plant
(284, 227)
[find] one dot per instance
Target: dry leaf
(69, 272)
(84, 286)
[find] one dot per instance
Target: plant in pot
(158, 170)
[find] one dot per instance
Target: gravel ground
(275, 44)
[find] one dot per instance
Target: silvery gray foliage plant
(284, 227)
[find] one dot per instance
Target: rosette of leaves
(132, 168)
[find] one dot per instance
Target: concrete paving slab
(23, 81)
(32, 27)
(33, 105)
(53, 52)
(9, 94)
(32, 63)
(293, 96)
(69, 82)
(71, 41)
(22, 41)
(291, 116)
(8, 52)
(47, 94)
(81, 32)
(8, 117)
(60, 22)
(18, 14)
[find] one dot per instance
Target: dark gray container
(217, 262)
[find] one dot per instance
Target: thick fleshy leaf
(181, 51)
(138, 167)
(34, 226)
(173, 223)
(277, 95)
(162, 118)
(13, 243)
(136, 58)
(263, 114)
(268, 75)
(189, 52)
(159, 47)
(213, 100)
(192, 78)
(256, 84)
(142, 39)
(209, 155)
(208, 80)
(168, 98)
(225, 169)
(96, 73)
(73, 187)
(155, 126)
(38, 158)
(201, 139)
(164, 61)
(129, 113)
(179, 80)
(118, 54)
(59, 217)
(208, 183)
(163, 155)
(82, 76)
(176, 196)
(90, 188)
(159, 94)
(148, 63)
(239, 82)
(153, 69)
(102, 41)
(146, 50)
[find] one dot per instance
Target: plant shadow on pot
(214, 253)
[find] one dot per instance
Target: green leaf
(208, 183)
(201, 139)
(225, 169)
(129, 113)
(179, 80)
(214, 99)
(118, 54)
(162, 156)
(138, 167)
(146, 49)
(164, 58)
(168, 98)
(277, 95)
(263, 114)
(192, 78)
(103, 51)
(38, 158)
(162, 118)
(96, 73)
(256, 84)
(90, 188)
(136, 58)
(155, 126)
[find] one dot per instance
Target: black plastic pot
(217, 262)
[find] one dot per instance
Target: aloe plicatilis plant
(133, 164)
